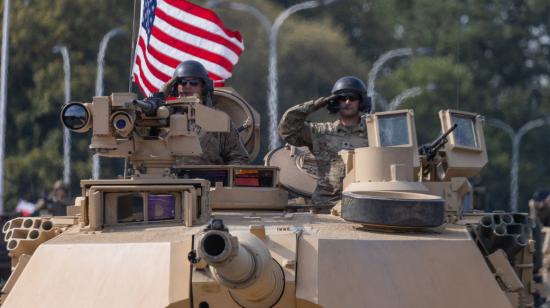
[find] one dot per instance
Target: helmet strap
(174, 91)
(208, 100)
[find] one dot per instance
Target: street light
(62, 49)
(273, 94)
(377, 66)
(409, 93)
(3, 96)
(272, 31)
(516, 141)
(96, 163)
(243, 7)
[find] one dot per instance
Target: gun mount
(151, 133)
(430, 150)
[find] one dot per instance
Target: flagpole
(132, 55)
(3, 96)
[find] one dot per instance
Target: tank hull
(327, 262)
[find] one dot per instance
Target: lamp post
(273, 94)
(243, 7)
(385, 57)
(516, 141)
(272, 30)
(96, 163)
(3, 95)
(409, 93)
(62, 49)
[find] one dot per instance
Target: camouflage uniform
(53, 205)
(218, 149)
(324, 140)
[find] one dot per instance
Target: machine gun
(151, 133)
(430, 150)
(150, 105)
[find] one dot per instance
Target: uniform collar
(340, 127)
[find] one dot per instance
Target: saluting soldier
(349, 99)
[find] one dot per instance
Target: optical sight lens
(120, 124)
(75, 116)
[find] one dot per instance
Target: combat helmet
(351, 85)
(59, 185)
(540, 195)
(191, 68)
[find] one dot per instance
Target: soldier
(539, 207)
(349, 98)
(56, 203)
(539, 211)
(191, 79)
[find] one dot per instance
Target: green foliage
(490, 57)
(34, 144)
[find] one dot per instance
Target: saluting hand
(323, 101)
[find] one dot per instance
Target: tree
(34, 139)
(490, 57)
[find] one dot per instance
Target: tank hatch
(398, 211)
(243, 115)
(298, 168)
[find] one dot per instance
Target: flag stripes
(179, 31)
(209, 18)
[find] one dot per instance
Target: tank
(172, 235)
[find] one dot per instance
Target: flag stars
(149, 7)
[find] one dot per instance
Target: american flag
(173, 31)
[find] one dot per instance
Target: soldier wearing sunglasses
(349, 99)
(191, 79)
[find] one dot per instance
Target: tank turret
(143, 240)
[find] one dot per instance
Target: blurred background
(483, 56)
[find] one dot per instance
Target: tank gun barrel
(244, 265)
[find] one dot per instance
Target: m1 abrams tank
(168, 235)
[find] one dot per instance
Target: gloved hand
(324, 101)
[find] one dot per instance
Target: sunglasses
(191, 82)
(350, 98)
